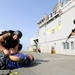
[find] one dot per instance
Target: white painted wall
(47, 40)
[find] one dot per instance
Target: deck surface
(47, 64)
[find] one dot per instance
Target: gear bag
(9, 31)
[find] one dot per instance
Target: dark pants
(3, 60)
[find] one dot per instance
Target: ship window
(72, 45)
(67, 45)
(64, 45)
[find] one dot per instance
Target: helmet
(20, 47)
(18, 33)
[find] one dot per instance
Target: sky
(23, 15)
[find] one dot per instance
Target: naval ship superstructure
(55, 27)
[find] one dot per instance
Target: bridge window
(72, 45)
(67, 45)
(64, 45)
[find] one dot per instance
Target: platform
(47, 64)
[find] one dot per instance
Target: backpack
(9, 31)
